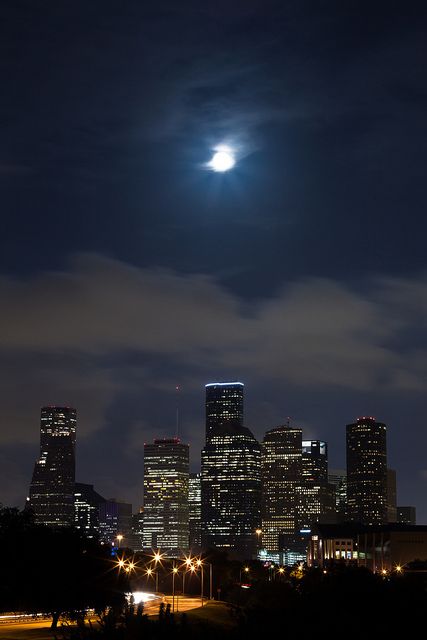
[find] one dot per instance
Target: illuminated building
(332, 543)
(367, 472)
(231, 474)
(195, 512)
(316, 495)
(51, 496)
(338, 478)
(391, 496)
(136, 542)
(406, 515)
(115, 519)
(281, 479)
(166, 475)
(224, 405)
(381, 549)
(86, 509)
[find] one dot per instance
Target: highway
(40, 629)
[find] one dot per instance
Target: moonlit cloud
(313, 332)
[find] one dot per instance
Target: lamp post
(246, 570)
(187, 563)
(210, 580)
(174, 572)
(119, 538)
(258, 539)
(199, 563)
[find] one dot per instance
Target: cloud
(315, 332)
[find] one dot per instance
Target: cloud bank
(313, 332)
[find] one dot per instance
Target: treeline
(61, 572)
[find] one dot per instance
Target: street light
(186, 564)
(246, 570)
(199, 564)
(174, 572)
(119, 539)
(150, 573)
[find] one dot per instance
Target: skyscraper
(231, 474)
(406, 515)
(338, 478)
(317, 496)
(391, 496)
(367, 472)
(195, 512)
(51, 495)
(166, 474)
(281, 478)
(86, 509)
(224, 405)
(115, 519)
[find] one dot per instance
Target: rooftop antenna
(177, 389)
(288, 421)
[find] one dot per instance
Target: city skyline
(199, 192)
(196, 460)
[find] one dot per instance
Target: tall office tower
(391, 496)
(86, 509)
(317, 496)
(136, 542)
(224, 405)
(367, 472)
(281, 477)
(231, 474)
(51, 496)
(195, 512)
(115, 519)
(406, 515)
(338, 478)
(166, 474)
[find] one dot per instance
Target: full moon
(222, 160)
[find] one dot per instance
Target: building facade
(115, 522)
(338, 479)
(51, 496)
(381, 549)
(407, 515)
(224, 406)
(231, 474)
(281, 480)
(86, 509)
(317, 496)
(166, 477)
(367, 472)
(195, 512)
(391, 496)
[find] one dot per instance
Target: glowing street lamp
(174, 572)
(199, 565)
(119, 539)
(246, 570)
(150, 573)
(188, 561)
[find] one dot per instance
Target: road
(40, 629)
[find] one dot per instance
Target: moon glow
(222, 160)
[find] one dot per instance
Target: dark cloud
(313, 332)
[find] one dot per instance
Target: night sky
(127, 267)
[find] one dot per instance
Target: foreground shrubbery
(60, 571)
